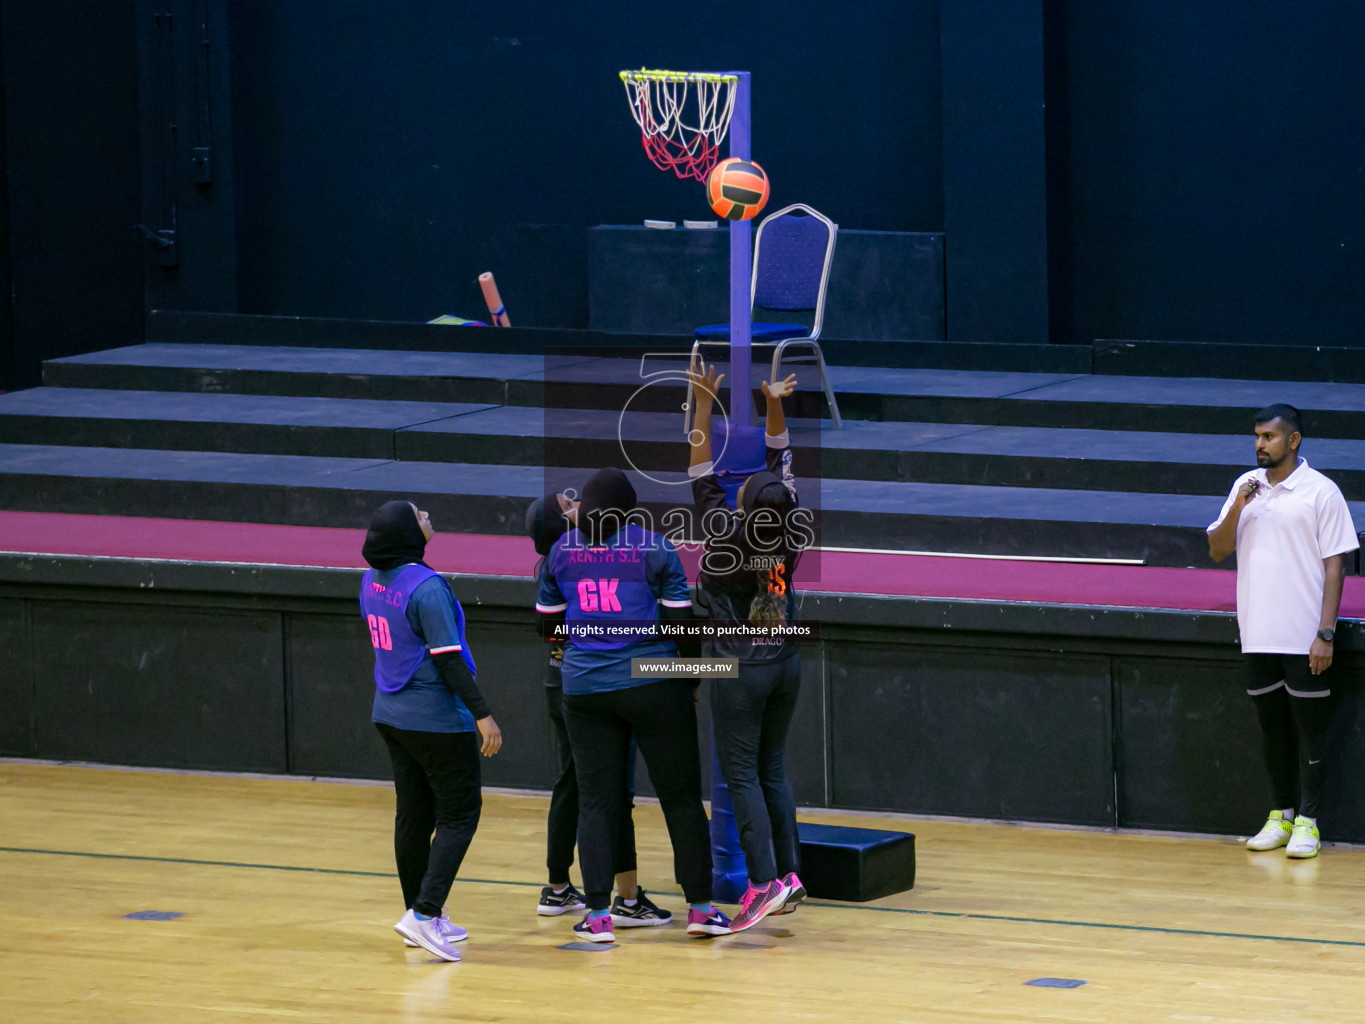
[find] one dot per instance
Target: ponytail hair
(769, 606)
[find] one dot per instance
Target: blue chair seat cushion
(757, 332)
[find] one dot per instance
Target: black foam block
(855, 864)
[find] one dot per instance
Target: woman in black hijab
(548, 519)
(431, 715)
(397, 535)
(609, 583)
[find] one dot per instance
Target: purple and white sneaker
(796, 895)
(595, 929)
(703, 925)
(452, 932)
(758, 903)
(428, 934)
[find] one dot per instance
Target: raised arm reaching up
(705, 387)
(775, 418)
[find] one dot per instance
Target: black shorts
(1268, 672)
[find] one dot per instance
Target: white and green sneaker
(1304, 842)
(1274, 833)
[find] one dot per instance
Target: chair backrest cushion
(791, 262)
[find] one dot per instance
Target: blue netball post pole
(729, 871)
(656, 115)
(729, 874)
(741, 254)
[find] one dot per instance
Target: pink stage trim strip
(838, 573)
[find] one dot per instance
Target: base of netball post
(497, 312)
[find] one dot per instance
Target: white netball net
(681, 136)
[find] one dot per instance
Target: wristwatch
(1327, 635)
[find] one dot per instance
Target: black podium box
(855, 864)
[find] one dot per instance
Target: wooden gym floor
(287, 897)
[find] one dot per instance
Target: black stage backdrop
(1149, 170)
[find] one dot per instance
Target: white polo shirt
(1284, 534)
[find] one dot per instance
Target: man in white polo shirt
(1291, 530)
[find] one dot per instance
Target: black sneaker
(643, 915)
(552, 903)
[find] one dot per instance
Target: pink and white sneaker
(758, 903)
(795, 896)
(595, 929)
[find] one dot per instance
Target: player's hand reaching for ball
(705, 383)
(492, 736)
(781, 389)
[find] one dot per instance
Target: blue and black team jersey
(626, 580)
(411, 628)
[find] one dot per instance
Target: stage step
(1159, 529)
(1112, 460)
(991, 462)
(192, 421)
(1160, 404)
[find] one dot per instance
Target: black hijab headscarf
(767, 491)
(608, 497)
(394, 537)
(763, 490)
(755, 485)
(545, 523)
